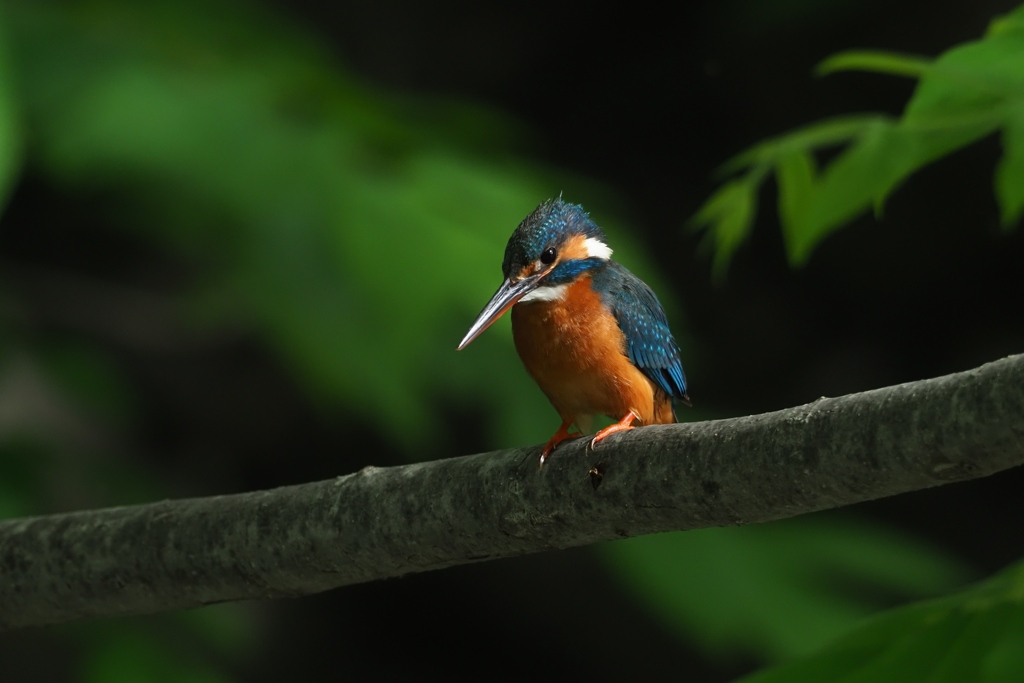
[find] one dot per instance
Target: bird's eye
(548, 257)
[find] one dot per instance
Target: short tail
(664, 412)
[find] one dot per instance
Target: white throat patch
(554, 293)
(597, 249)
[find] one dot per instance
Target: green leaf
(776, 590)
(967, 93)
(869, 170)
(819, 135)
(1009, 181)
(795, 174)
(728, 216)
(957, 102)
(976, 635)
(969, 83)
(866, 170)
(877, 61)
(1011, 22)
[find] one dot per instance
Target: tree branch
(385, 522)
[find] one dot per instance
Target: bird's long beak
(506, 297)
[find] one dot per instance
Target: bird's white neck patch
(597, 249)
(554, 293)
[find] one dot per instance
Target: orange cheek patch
(575, 248)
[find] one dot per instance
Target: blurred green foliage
(175, 647)
(976, 635)
(357, 232)
(962, 96)
(139, 657)
(319, 212)
(782, 589)
(10, 130)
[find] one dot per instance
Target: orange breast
(574, 350)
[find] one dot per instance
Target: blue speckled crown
(548, 225)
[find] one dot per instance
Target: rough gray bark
(385, 522)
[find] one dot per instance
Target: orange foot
(561, 435)
(623, 425)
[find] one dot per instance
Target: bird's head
(552, 247)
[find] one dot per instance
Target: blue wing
(649, 342)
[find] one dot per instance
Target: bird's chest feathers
(571, 344)
(574, 329)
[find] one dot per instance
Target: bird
(591, 334)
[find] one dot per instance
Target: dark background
(634, 107)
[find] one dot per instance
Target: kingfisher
(593, 336)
